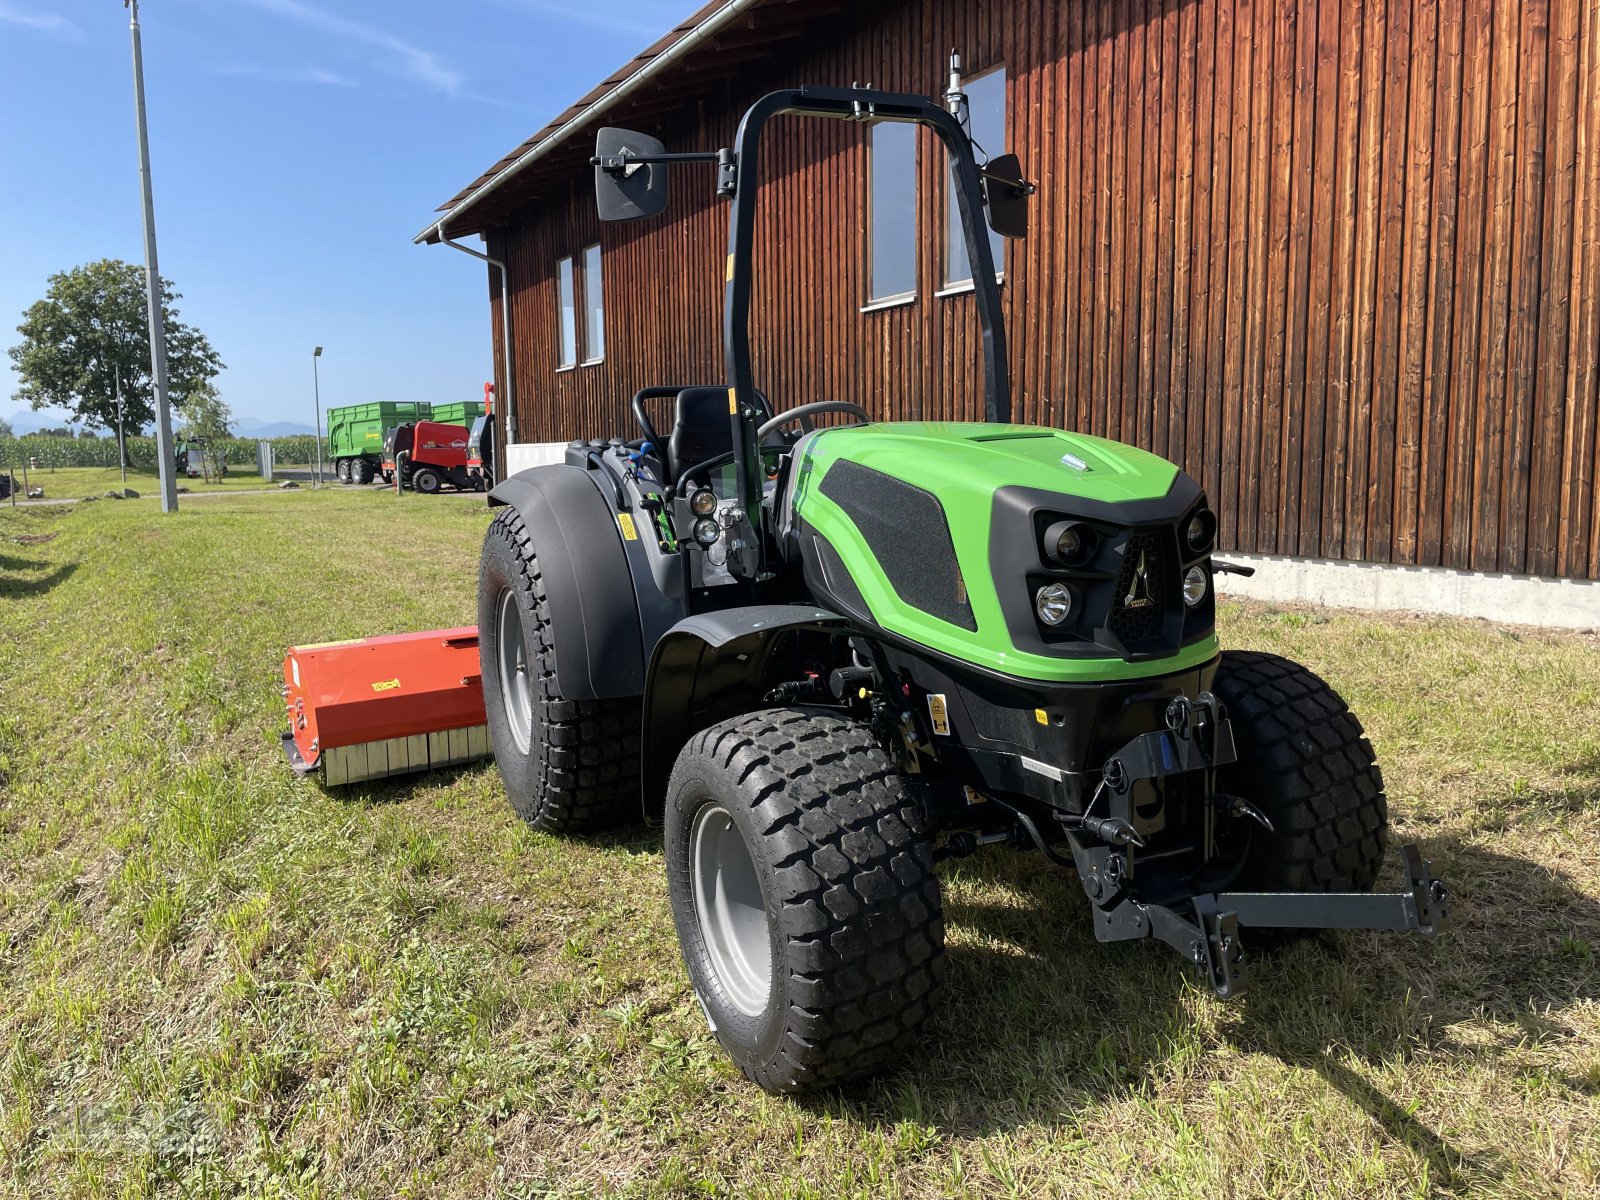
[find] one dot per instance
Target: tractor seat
(700, 428)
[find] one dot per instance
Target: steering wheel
(803, 413)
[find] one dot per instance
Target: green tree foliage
(5, 429)
(92, 323)
(205, 415)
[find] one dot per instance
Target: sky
(296, 148)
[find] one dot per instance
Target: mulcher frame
(695, 666)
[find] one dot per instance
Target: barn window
(892, 212)
(986, 107)
(567, 303)
(594, 307)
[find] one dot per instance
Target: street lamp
(152, 278)
(316, 390)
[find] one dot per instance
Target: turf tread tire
(858, 945)
(1305, 761)
(581, 773)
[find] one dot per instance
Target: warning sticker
(625, 523)
(385, 685)
(939, 714)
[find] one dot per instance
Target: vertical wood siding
(1339, 259)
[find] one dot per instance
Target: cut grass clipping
(217, 979)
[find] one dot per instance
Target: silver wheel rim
(730, 910)
(515, 688)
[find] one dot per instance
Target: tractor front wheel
(569, 766)
(1306, 763)
(804, 895)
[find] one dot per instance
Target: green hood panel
(977, 458)
(963, 465)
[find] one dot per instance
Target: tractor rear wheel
(1306, 763)
(427, 480)
(804, 895)
(569, 766)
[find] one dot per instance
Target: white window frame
(953, 285)
(594, 306)
(566, 314)
(875, 301)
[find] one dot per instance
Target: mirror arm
(616, 164)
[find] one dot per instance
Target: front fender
(709, 667)
(594, 614)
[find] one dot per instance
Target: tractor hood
(935, 532)
(979, 458)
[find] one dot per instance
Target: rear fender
(594, 611)
(707, 668)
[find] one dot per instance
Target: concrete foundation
(1512, 599)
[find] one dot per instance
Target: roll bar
(616, 167)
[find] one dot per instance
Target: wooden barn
(1339, 259)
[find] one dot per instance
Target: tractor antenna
(954, 98)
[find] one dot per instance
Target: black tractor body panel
(709, 666)
(593, 606)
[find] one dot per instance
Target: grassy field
(216, 979)
(74, 483)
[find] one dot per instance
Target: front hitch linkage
(1204, 929)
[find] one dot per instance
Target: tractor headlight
(1201, 531)
(702, 502)
(1069, 542)
(706, 530)
(1053, 603)
(1195, 584)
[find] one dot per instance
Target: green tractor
(827, 658)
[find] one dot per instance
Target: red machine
(435, 455)
(381, 706)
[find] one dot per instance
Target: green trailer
(464, 412)
(355, 435)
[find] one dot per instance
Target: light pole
(316, 390)
(152, 280)
(122, 437)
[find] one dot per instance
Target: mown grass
(216, 979)
(74, 483)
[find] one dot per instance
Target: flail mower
(827, 658)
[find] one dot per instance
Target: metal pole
(505, 326)
(316, 390)
(152, 271)
(122, 435)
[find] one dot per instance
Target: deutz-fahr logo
(1139, 589)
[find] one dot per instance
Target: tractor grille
(1138, 609)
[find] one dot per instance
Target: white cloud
(316, 75)
(400, 57)
(52, 24)
(603, 16)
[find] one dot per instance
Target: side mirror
(1006, 195)
(627, 191)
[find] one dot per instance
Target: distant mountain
(25, 420)
(251, 427)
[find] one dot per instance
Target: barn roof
(712, 43)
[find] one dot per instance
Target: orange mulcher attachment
(381, 706)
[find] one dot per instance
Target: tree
(207, 419)
(92, 323)
(205, 414)
(5, 428)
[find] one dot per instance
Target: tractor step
(375, 707)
